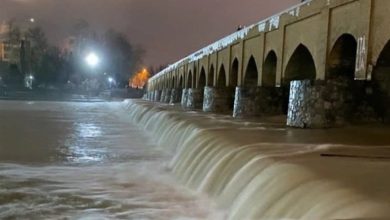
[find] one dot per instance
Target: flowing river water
(136, 160)
(74, 160)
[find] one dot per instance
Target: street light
(28, 80)
(110, 81)
(92, 60)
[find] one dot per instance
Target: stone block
(184, 98)
(194, 99)
(175, 96)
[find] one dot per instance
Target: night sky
(166, 29)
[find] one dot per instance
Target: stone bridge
(323, 63)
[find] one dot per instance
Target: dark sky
(167, 29)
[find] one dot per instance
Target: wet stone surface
(163, 95)
(157, 95)
(167, 96)
(194, 99)
(175, 96)
(318, 104)
(184, 98)
(218, 100)
(257, 101)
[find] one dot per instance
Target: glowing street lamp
(28, 81)
(92, 60)
(110, 81)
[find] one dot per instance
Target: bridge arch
(189, 80)
(163, 83)
(210, 76)
(234, 73)
(342, 58)
(221, 83)
(202, 79)
(173, 82)
(179, 82)
(381, 84)
(251, 74)
(269, 70)
(300, 66)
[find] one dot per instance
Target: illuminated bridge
(322, 63)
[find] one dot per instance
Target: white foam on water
(104, 167)
(255, 179)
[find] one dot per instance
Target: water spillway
(261, 170)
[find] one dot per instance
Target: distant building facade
(15, 48)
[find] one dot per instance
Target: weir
(261, 170)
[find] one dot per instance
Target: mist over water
(86, 161)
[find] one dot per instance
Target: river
(86, 160)
(139, 160)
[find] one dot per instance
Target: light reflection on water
(87, 130)
(82, 146)
(82, 161)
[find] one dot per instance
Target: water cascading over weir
(254, 173)
(321, 63)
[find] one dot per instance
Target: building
(15, 48)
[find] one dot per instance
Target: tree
(121, 57)
(39, 46)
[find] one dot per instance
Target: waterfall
(255, 179)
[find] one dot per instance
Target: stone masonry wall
(317, 104)
(184, 98)
(218, 100)
(257, 101)
(157, 95)
(162, 96)
(167, 96)
(175, 96)
(245, 102)
(194, 99)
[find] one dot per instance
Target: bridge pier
(175, 96)
(162, 96)
(147, 95)
(269, 101)
(318, 104)
(217, 99)
(194, 99)
(257, 101)
(245, 102)
(157, 95)
(184, 97)
(167, 96)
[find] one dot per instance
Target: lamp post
(92, 60)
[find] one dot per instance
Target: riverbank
(263, 170)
